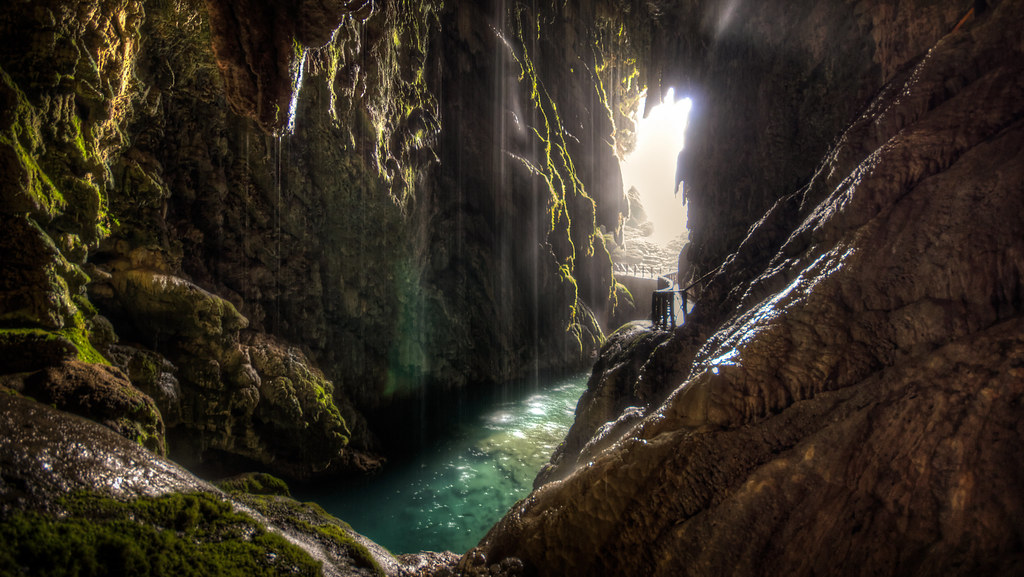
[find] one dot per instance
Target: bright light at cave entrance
(651, 167)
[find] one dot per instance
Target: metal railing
(663, 308)
(640, 270)
(663, 311)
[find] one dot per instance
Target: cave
(258, 244)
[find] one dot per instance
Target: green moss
(255, 484)
(27, 350)
(359, 553)
(139, 429)
(53, 163)
(176, 534)
(621, 292)
(573, 233)
(310, 518)
(12, 337)
(79, 337)
(86, 208)
(82, 303)
(390, 87)
(327, 410)
(23, 141)
(77, 138)
(77, 334)
(32, 339)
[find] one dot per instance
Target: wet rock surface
(150, 157)
(856, 411)
(46, 455)
(843, 398)
(103, 394)
(818, 474)
(610, 404)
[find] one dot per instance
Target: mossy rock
(255, 484)
(26, 350)
(25, 188)
(37, 284)
(173, 306)
(103, 394)
(334, 534)
(297, 406)
(152, 374)
(174, 535)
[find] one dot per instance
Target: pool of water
(450, 494)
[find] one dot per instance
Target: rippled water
(453, 492)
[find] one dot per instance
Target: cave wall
(843, 400)
(773, 86)
(275, 218)
(849, 403)
(775, 89)
(414, 240)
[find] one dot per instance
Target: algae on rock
(383, 236)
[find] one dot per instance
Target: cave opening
(656, 228)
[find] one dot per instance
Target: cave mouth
(656, 229)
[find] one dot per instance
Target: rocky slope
(77, 497)
(848, 404)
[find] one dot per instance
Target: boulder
(101, 393)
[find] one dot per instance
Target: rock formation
(637, 213)
(845, 398)
(233, 229)
(77, 496)
(170, 213)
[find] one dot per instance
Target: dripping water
(277, 228)
(246, 208)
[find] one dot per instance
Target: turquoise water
(449, 496)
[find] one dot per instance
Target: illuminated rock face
(848, 404)
(433, 219)
(60, 471)
(411, 231)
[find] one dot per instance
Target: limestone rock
(667, 501)
(261, 46)
(261, 401)
(609, 396)
(46, 455)
(29, 350)
(154, 375)
(103, 394)
(297, 405)
(38, 283)
(173, 307)
(852, 407)
(637, 213)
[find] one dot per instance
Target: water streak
(298, 75)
